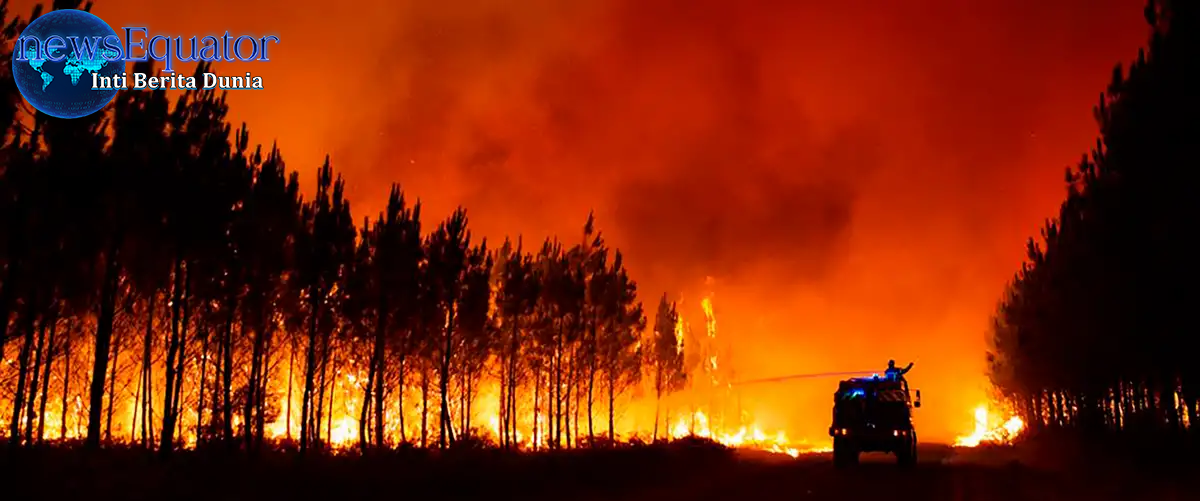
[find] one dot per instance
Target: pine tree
(667, 355)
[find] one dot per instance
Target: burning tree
(449, 246)
(324, 246)
(215, 306)
(667, 355)
(619, 347)
(517, 294)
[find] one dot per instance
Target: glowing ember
(749, 437)
(410, 410)
(990, 429)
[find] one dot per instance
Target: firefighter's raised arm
(907, 368)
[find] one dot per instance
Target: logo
(69, 63)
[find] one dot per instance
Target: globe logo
(56, 78)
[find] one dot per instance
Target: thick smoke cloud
(685, 133)
(707, 219)
(858, 176)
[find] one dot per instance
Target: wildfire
(710, 320)
(991, 429)
(133, 411)
(699, 423)
(680, 332)
(750, 437)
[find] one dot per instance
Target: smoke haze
(858, 177)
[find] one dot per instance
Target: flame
(709, 402)
(710, 320)
(749, 437)
(680, 330)
(989, 429)
(698, 423)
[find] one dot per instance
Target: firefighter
(895, 374)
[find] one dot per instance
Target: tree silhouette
(619, 345)
(517, 295)
(157, 241)
(667, 356)
(1091, 334)
(448, 249)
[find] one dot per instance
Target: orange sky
(859, 177)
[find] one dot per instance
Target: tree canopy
(1093, 332)
(156, 241)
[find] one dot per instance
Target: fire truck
(873, 414)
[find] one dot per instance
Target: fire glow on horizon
(518, 111)
(709, 408)
(991, 427)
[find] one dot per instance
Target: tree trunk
(227, 378)
(572, 401)
(537, 394)
(34, 385)
(403, 371)
(18, 406)
(470, 400)
(264, 376)
(424, 405)
(144, 383)
(580, 404)
(379, 399)
(181, 361)
(321, 385)
(104, 331)
(657, 409)
(462, 399)
(115, 354)
(166, 440)
(507, 423)
(612, 384)
(591, 397)
(557, 389)
(329, 415)
(137, 409)
(204, 333)
(446, 433)
(365, 410)
(41, 429)
(291, 380)
(502, 404)
(514, 421)
(379, 367)
(66, 391)
(252, 385)
(310, 367)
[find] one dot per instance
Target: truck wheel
(907, 456)
(844, 454)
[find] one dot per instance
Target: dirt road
(942, 474)
(647, 474)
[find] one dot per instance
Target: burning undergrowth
(690, 398)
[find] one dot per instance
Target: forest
(165, 284)
(159, 265)
(1093, 335)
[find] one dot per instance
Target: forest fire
(991, 428)
(410, 414)
(710, 405)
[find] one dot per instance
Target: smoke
(858, 176)
(723, 222)
(693, 144)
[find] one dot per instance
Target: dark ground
(646, 473)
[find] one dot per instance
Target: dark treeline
(1095, 332)
(151, 253)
